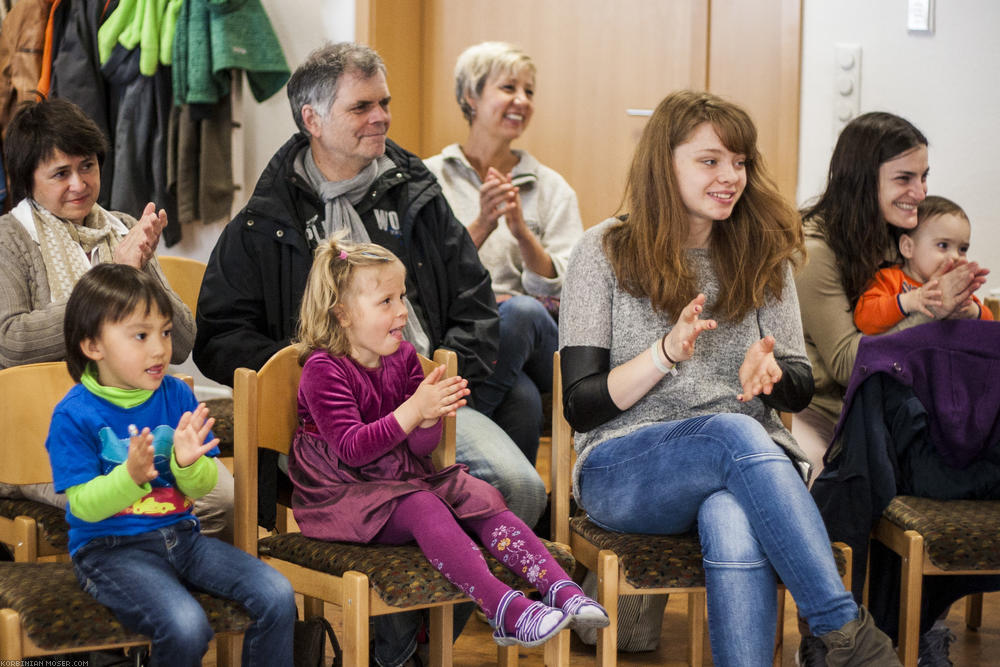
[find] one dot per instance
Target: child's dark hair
(107, 294)
(934, 205)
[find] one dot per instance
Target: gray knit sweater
(596, 312)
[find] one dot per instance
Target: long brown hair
(647, 247)
(848, 211)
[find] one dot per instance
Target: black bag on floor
(310, 643)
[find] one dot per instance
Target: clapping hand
(438, 397)
(679, 343)
(139, 463)
(190, 434)
(140, 243)
(759, 372)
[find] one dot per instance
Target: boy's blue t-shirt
(89, 437)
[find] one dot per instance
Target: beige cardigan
(31, 326)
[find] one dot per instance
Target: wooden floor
(475, 647)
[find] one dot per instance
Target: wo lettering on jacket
(388, 221)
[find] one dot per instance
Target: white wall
(944, 83)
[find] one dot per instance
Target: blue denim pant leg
(142, 579)
(528, 338)
(656, 479)
(493, 457)
(520, 416)
(735, 562)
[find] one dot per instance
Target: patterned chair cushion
(958, 534)
(58, 615)
(400, 575)
(52, 526)
(222, 410)
(658, 561)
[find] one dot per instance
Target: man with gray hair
(340, 173)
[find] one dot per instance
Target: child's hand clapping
(190, 434)
(434, 398)
(140, 457)
(922, 299)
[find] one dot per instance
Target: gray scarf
(339, 198)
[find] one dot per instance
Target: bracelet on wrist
(654, 352)
(663, 347)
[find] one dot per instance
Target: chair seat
(58, 615)
(649, 561)
(659, 561)
(51, 520)
(958, 534)
(400, 575)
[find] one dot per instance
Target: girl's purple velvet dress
(351, 461)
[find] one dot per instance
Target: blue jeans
(512, 395)
(753, 513)
(492, 457)
(143, 579)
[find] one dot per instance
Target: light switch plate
(920, 15)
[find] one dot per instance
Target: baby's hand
(190, 434)
(140, 457)
(922, 299)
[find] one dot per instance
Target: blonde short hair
(331, 278)
(478, 63)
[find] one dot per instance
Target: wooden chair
(42, 607)
(43, 611)
(363, 580)
(629, 564)
(185, 276)
(938, 537)
(30, 393)
(32, 530)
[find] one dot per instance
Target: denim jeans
(512, 396)
(754, 516)
(492, 457)
(144, 578)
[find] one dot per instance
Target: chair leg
(607, 595)
(507, 656)
(11, 648)
(974, 611)
(557, 650)
(909, 599)
(312, 607)
(355, 615)
(779, 637)
(696, 625)
(442, 633)
(228, 650)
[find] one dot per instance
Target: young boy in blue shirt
(128, 447)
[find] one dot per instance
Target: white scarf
(69, 250)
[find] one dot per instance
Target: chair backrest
(29, 395)
(265, 415)
(562, 455)
(185, 276)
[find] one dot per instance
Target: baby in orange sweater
(940, 237)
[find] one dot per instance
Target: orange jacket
(878, 309)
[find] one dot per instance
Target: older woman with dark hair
(54, 234)
(523, 218)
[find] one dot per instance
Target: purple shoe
(584, 611)
(536, 625)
